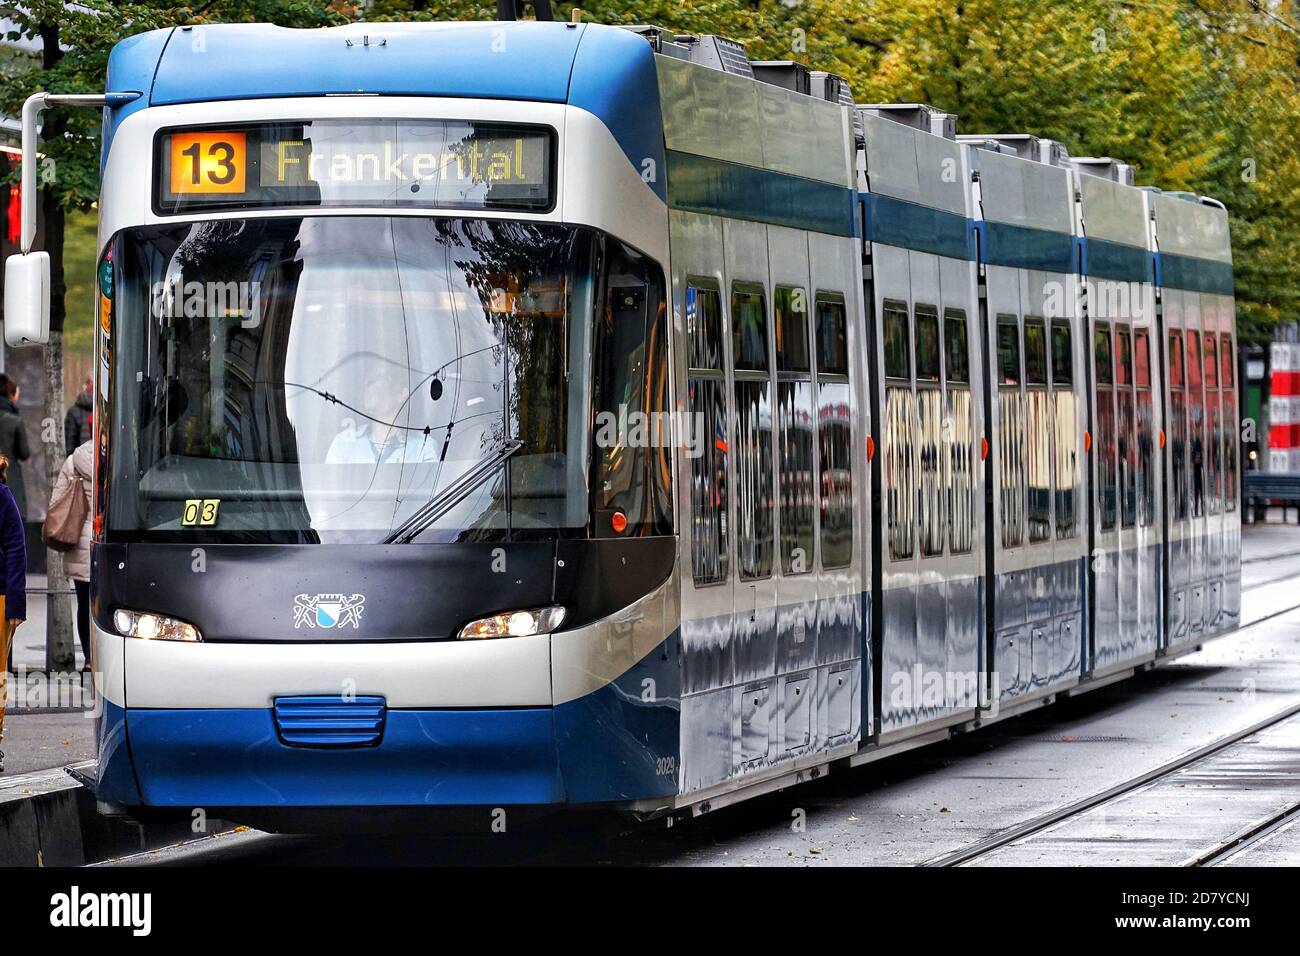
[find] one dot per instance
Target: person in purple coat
(13, 602)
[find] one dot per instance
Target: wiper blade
(456, 492)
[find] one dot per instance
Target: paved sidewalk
(42, 738)
(40, 741)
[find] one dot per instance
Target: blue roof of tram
(608, 71)
(519, 60)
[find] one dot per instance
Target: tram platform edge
(48, 818)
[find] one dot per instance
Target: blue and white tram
(533, 414)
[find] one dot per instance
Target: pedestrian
(76, 424)
(13, 602)
(76, 562)
(13, 441)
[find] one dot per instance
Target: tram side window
(791, 307)
(930, 430)
(1214, 426)
(1231, 426)
(1195, 424)
(898, 434)
(1145, 435)
(632, 471)
(961, 446)
(1065, 410)
(1177, 426)
(834, 431)
(1011, 433)
(1038, 430)
(704, 328)
(794, 401)
(707, 396)
(754, 495)
(1126, 445)
(749, 328)
(1107, 467)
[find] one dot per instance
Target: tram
(536, 414)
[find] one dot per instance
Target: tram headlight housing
(154, 627)
(541, 620)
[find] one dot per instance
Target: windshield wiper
(456, 492)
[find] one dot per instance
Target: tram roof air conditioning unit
(661, 40)
(786, 74)
(1106, 168)
(717, 53)
(1036, 149)
(918, 116)
(831, 87)
(988, 145)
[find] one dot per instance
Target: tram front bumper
(238, 758)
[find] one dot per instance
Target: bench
(1262, 488)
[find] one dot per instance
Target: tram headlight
(540, 620)
(153, 627)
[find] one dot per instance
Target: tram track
(1246, 838)
(1029, 828)
(1209, 857)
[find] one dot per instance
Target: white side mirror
(27, 299)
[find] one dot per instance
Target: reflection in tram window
(898, 359)
(898, 433)
(795, 414)
(1011, 433)
(704, 328)
(630, 381)
(1107, 467)
(754, 479)
(834, 432)
(956, 355)
(1064, 425)
(794, 401)
(927, 343)
(709, 481)
(1177, 426)
(1195, 425)
(961, 442)
(1008, 350)
(832, 335)
(749, 328)
(1145, 437)
(1125, 442)
(1038, 431)
(1214, 427)
(1231, 426)
(708, 408)
(791, 308)
(930, 431)
(897, 464)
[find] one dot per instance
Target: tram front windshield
(323, 379)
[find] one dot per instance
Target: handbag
(66, 517)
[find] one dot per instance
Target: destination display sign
(366, 162)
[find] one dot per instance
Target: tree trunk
(59, 653)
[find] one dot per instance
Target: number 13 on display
(209, 162)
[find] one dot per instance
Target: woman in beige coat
(76, 563)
